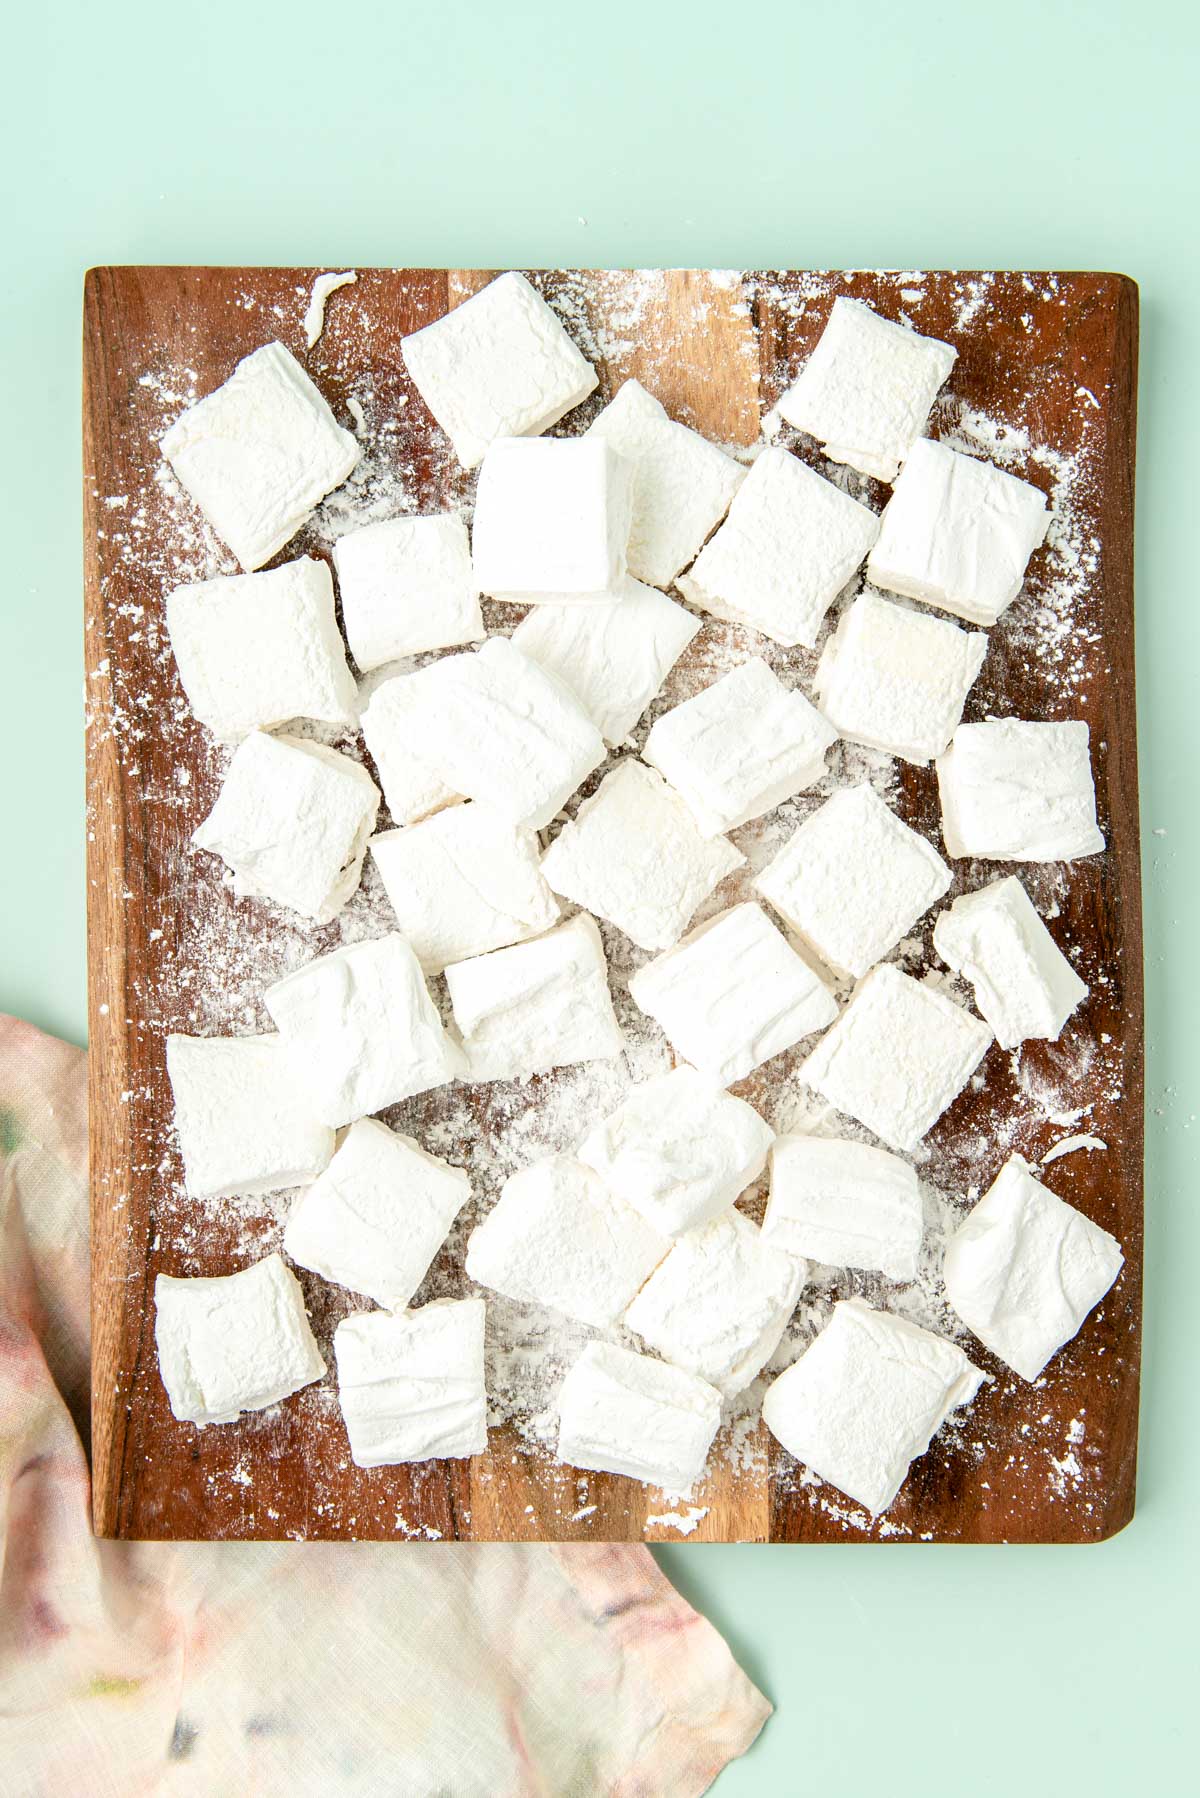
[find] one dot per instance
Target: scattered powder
(683, 1521)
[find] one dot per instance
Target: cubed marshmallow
(682, 484)
(900, 1053)
(613, 656)
(377, 1216)
(1024, 1269)
(1019, 792)
(957, 533)
(1024, 984)
(411, 1385)
(853, 880)
(791, 542)
(407, 586)
(538, 1005)
(732, 994)
(635, 856)
(463, 882)
(680, 1149)
(361, 1030)
(552, 519)
(867, 390)
(292, 822)
(499, 365)
(243, 1126)
(412, 788)
(626, 1413)
(236, 1343)
(740, 747)
(557, 1236)
(867, 1399)
(844, 1204)
(896, 679)
(719, 1303)
(260, 454)
(255, 650)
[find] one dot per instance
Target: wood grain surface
(1051, 356)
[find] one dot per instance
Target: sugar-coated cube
(411, 1384)
(1024, 984)
(407, 586)
(552, 519)
(236, 1343)
(243, 1126)
(412, 788)
(626, 1413)
(845, 1204)
(1019, 792)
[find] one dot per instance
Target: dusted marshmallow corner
(243, 1127)
(411, 1385)
(412, 788)
(1019, 792)
(407, 586)
(1024, 984)
(236, 1343)
(552, 519)
(844, 1204)
(626, 1413)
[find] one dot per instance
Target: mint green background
(906, 134)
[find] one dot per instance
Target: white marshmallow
(844, 1204)
(682, 484)
(243, 1127)
(957, 533)
(626, 1413)
(260, 454)
(897, 1057)
(719, 1303)
(361, 1030)
(853, 879)
(255, 650)
(788, 547)
(635, 856)
(732, 994)
(292, 822)
(557, 1236)
(377, 1216)
(552, 519)
(411, 1386)
(740, 747)
(412, 788)
(407, 586)
(866, 391)
(538, 1005)
(237, 1343)
(896, 679)
(680, 1149)
(1019, 792)
(1024, 984)
(499, 365)
(463, 882)
(1025, 1268)
(867, 1399)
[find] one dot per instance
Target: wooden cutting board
(1046, 382)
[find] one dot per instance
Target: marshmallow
(866, 391)
(255, 650)
(499, 365)
(740, 747)
(411, 1386)
(896, 679)
(680, 1149)
(867, 1399)
(538, 1005)
(407, 586)
(626, 1413)
(377, 1216)
(242, 1125)
(1019, 792)
(614, 656)
(897, 1057)
(292, 822)
(957, 533)
(844, 1204)
(361, 1030)
(718, 1304)
(552, 519)
(732, 994)
(852, 880)
(788, 547)
(411, 787)
(1024, 984)
(1025, 1268)
(558, 1237)
(237, 1343)
(635, 856)
(463, 882)
(260, 454)
(682, 484)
